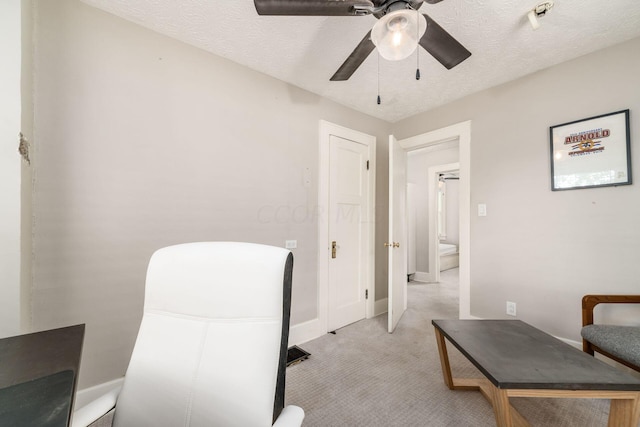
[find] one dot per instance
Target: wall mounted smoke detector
(539, 11)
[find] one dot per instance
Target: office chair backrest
(211, 350)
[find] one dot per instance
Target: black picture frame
(592, 152)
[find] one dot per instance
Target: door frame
(324, 246)
(462, 132)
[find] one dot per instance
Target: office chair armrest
(291, 416)
(90, 413)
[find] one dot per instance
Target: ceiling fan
(392, 15)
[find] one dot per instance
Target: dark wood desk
(38, 376)
(519, 360)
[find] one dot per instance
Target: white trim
(12, 304)
(381, 307)
(461, 131)
(572, 343)
(421, 276)
(306, 331)
(89, 394)
(326, 130)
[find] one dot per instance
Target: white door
(348, 237)
(397, 243)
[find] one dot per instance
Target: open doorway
(433, 210)
(444, 218)
(461, 134)
(447, 212)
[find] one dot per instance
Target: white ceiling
(306, 51)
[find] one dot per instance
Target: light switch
(482, 209)
(306, 177)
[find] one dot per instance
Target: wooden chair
(619, 343)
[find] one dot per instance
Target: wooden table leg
(506, 415)
(501, 407)
(473, 384)
(624, 412)
(444, 359)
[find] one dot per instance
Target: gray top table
(513, 354)
(519, 360)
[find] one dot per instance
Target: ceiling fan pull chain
(418, 47)
(379, 78)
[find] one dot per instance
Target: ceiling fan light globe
(396, 34)
(397, 23)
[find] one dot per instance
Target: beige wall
(543, 249)
(144, 142)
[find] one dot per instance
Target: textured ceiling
(306, 51)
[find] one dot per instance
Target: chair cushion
(620, 341)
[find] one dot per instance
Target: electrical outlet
(291, 244)
(511, 308)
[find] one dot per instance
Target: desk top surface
(515, 355)
(31, 356)
(38, 377)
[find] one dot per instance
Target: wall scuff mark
(23, 148)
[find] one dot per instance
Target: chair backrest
(211, 349)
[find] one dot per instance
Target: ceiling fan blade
(433, 1)
(442, 46)
(357, 57)
(310, 7)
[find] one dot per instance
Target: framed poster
(593, 152)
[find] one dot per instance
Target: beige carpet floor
(363, 376)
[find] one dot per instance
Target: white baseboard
(312, 329)
(381, 307)
(420, 276)
(89, 394)
(572, 343)
(471, 317)
(305, 331)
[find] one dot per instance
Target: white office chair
(212, 345)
